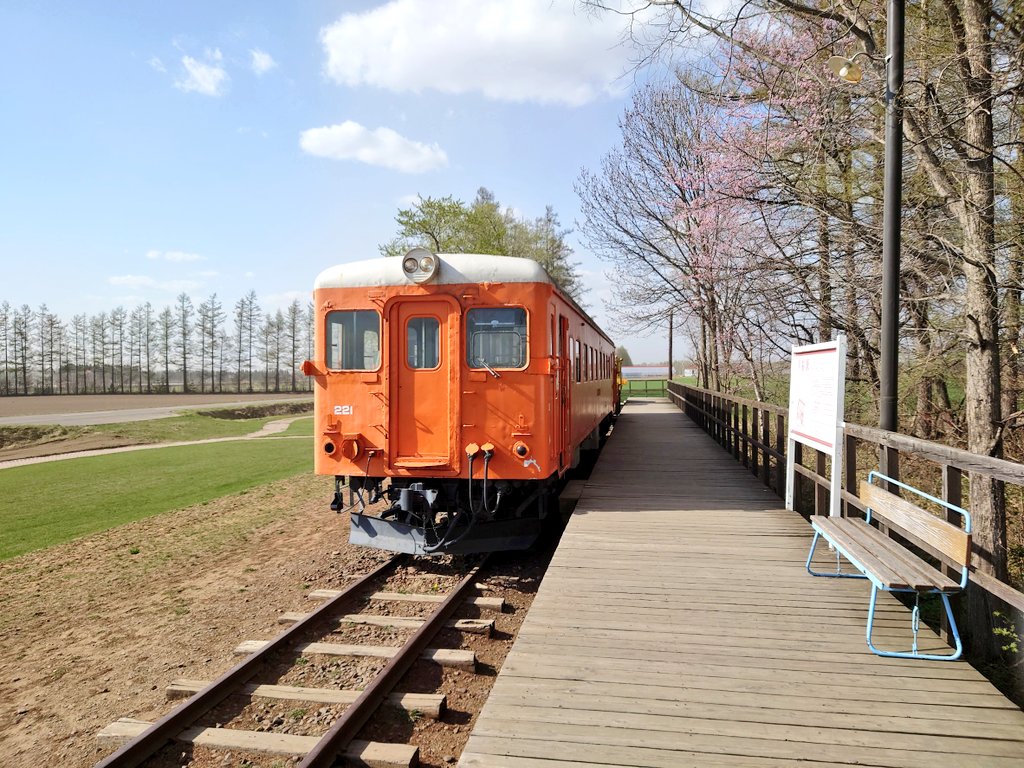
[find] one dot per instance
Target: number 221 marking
(343, 410)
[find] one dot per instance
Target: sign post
(817, 388)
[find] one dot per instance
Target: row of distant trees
(182, 347)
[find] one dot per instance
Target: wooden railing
(755, 434)
(645, 387)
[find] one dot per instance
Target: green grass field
(188, 426)
(300, 427)
(46, 504)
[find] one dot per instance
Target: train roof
(455, 269)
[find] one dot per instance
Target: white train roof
(455, 269)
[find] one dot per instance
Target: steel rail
(345, 728)
(146, 744)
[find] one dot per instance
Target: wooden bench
(892, 567)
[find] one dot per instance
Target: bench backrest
(916, 523)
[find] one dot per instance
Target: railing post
(754, 455)
(736, 435)
(745, 433)
(765, 460)
(953, 493)
(821, 506)
(889, 464)
(850, 457)
(798, 461)
(726, 419)
(780, 447)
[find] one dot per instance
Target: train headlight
(420, 265)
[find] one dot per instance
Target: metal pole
(893, 203)
(670, 345)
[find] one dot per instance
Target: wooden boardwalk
(677, 627)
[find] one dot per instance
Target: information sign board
(816, 398)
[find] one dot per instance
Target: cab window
(422, 342)
(496, 337)
(353, 340)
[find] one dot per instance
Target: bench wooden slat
(835, 529)
(947, 538)
(919, 574)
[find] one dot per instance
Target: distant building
(645, 372)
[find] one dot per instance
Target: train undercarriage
(442, 516)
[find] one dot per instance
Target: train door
(424, 382)
(563, 419)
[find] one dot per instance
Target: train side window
(422, 342)
(353, 340)
(578, 361)
(496, 337)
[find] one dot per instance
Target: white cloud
(529, 50)
(175, 256)
(156, 64)
(261, 61)
(208, 78)
(381, 146)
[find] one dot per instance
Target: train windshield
(496, 337)
(353, 340)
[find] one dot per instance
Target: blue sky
(151, 147)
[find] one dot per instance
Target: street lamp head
(847, 69)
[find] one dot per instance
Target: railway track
(183, 723)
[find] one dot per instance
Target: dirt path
(269, 429)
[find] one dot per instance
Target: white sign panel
(817, 386)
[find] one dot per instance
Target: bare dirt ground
(93, 630)
(39, 405)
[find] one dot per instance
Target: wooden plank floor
(677, 626)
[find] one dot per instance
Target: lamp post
(892, 201)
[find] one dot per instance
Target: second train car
(458, 389)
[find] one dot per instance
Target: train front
(428, 402)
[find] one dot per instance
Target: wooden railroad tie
(427, 704)
(443, 656)
(495, 604)
(473, 626)
(360, 752)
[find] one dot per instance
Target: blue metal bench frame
(877, 585)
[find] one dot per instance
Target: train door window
(496, 337)
(353, 340)
(422, 342)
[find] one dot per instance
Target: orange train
(458, 387)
